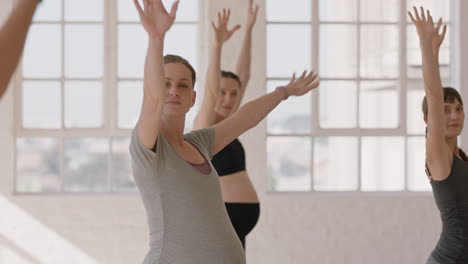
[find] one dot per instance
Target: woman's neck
(172, 129)
(453, 144)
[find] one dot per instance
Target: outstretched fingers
(293, 79)
(429, 17)
(174, 8)
(444, 30)
(411, 17)
(141, 13)
(234, 29)
(423, 16)
(439, 23)
(416, 13)
(228, 16)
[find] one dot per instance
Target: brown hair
(178, 59)
(450, 95)
(229, 74)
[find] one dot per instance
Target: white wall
(293, 228)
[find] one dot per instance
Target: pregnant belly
(237, 188)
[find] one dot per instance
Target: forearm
(430, 69)
(255, 111)
(154, 78)
(206, 116)
(12, 38)
(213, 73)
(243, 66)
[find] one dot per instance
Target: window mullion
(403, 86)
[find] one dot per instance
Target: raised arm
(245, 56)
(437, 151)
(250, 114)
(12, 37)
(156, 21)
(206, 115)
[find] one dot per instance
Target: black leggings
(244, 217)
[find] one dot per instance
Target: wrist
(283, 91)
(156, 38)
(426, 43)
(217, 45)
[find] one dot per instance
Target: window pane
(285, 58)
(37, 165)
(417, 179)
(290, 116)
(132, 48)
(129, 103)
(383, 164)
(84, 58)
(83, 104)
(335, 163)
(438, 8)
(182, 40)
(380, 10)
(84, 10)
(187, 11)
(86, 164)
(288, 163)
(50, 10)
(121, 169)
(291, 10)
(414, 54)
(41, 105)
(379, 51)
(415, 118)
(338, 10)
(338, 51)
(43, 52)
(378, 106)
(338, 104)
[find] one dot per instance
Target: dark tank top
(230, 159)
(451, 197)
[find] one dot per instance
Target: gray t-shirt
(187, 219)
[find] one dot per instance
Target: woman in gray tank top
(186, 215)
(446, 164)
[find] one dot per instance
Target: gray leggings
(432, 260)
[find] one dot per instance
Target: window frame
(402, 81)
(110, 79)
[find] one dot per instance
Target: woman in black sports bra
(446, 164)
(222, 97)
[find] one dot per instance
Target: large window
(80, 92)
(362, 130)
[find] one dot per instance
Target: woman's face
(454, 118)
(228, 96)
(180, 96)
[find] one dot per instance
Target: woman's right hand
(222, 33)
(154, 17)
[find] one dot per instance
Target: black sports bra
(230, 159)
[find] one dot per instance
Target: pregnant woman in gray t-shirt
(187, 219)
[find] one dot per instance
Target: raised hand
(438, 38)
(303, 84)
(252, 15)
(424, 24)
(155, 18)
(222, 33)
